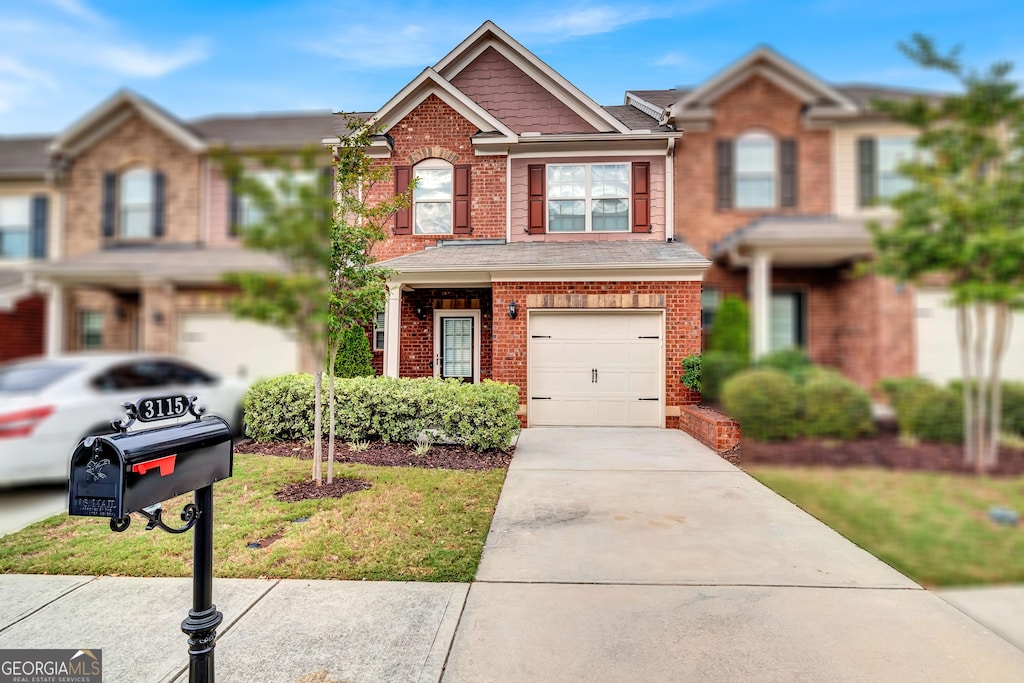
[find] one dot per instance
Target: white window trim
(379, 321)
(737, 174)
(588, 199)
(122, 205)
(433, 164)
(457, 313)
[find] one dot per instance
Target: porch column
(54, 319)
(760, 303)
(392, 329)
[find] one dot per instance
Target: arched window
(137, 202)
(756, 167)
(432, 198)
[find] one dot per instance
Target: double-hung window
(90, 333)
(283, 191)
(432, 198)
(137, 204)
(588, 197)
(378, 332)
(892, 152)
(755, 171)
(15, 223)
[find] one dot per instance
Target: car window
(28, 377)
(143, 374)
(183, 373)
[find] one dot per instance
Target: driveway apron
(640, 555)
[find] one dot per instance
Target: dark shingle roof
(296, 129)
(24, 156)
(662, 98)
(634, 118)
(544, 255)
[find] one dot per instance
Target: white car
(48, 405)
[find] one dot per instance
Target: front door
(457, 345)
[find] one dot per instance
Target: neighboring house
(776, 177)
(540, 248)
(150, 227)
(29, 206)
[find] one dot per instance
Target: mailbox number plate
(161, 408)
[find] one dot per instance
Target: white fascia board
(430, 83)
(598, 271)
(65, 141)
(654, 111)
(552, 81)
(622, 147)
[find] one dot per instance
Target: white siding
(845, 189)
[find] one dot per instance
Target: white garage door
(600, 369)
(938, 356)
(236, 348)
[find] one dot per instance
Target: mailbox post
(116, 475)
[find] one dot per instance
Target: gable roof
(113, 111)
(276, 130)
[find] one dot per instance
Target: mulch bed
(308, 490)
(389, 455)
(885, 449)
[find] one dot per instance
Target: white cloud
(362, 46)
(79, 10)
(138, 60)
(676, 60)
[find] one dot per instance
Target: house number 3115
(161, 408)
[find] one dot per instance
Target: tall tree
(963, 220)
(358, 288)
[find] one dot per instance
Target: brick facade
(682, 329)
(417, 342)
(433, 124)
(133, 143)
(22, 329)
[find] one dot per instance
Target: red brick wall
(682, 328)
(876, 335)
(22, 330)
(501, 87)
(756, 104)
(714, 430)
(434, 124)
(417, 342)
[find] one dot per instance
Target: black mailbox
(114, 476)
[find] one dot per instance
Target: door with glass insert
(455, 347)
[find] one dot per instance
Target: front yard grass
(413, 525)
(933, 527)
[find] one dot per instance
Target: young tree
(358, 288)
(963, 220)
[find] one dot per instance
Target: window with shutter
(588, 198)
(403, 217)
(432, 198)
(15, 227)
(40, 222)
(641, 196)
(535, 180)
(137, 204)
(866, 170)
(788, 172)
(463, 201)
(755, 171)
(723, 173)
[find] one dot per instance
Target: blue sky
(59, 58)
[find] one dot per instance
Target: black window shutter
(536, 188)
(787, 169)
(109, 204)
(159, 204)
(234, 209)
(723, 168)
(463, 200)
(866, 169)
(641, 196)
(40, 206)
(403, 217)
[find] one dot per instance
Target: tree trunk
(318, 449)
(1002, 322)
(963, 336)
(981, 387)
(330, 402)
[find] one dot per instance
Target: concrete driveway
(632, 554)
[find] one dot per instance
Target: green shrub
(691, 377)
(355, 359)
(730, 330)
(835, 407)
(899, 390)
(765, 402)
(793, 362)
(1012, 413)
(280, 408)
(715, 368)
(931, 413)
(479, 416)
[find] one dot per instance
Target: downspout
(670, 192)
(508, 197)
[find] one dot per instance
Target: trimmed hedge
(933, 414)
(1012, 413)
(793, 362)
(835, 407)
(765, 402)
(691, 377)
(479, 416)
(355, 359)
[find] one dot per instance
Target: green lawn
(413, 524)
(932, 527)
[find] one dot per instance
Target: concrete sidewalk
(614, 555)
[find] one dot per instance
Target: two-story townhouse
(776, 178)
(29, 207)
(540, 247)
(151, 226)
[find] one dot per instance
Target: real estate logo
(51, 666)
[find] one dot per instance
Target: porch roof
(465, 256)
(139, 265)
(814, 241)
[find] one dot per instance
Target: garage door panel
(236, 348)
(626, 349)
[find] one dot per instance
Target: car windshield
(28, 377)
